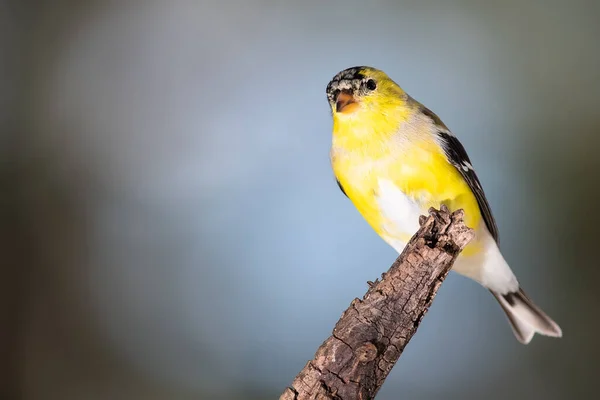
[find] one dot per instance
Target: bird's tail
(526, 318)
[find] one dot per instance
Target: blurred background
(171, 227)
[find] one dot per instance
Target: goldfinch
(394, 158)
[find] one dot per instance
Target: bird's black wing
(341, 187)
(458, 157)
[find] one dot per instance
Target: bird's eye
(371, 85)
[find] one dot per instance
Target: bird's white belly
(400, 214)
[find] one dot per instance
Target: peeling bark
(372, 333)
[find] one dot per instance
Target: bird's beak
(345, 102)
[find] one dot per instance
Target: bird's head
(365, 101)
(363, 89)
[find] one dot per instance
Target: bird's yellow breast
(368, 165)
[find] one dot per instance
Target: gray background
(171, 225)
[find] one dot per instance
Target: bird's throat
(366, 130)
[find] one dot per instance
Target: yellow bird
(394, 158)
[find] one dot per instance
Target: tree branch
(372, 333)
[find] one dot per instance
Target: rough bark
(372, 333)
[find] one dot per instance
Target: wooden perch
(372, 333)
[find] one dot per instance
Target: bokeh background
(171, 228)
